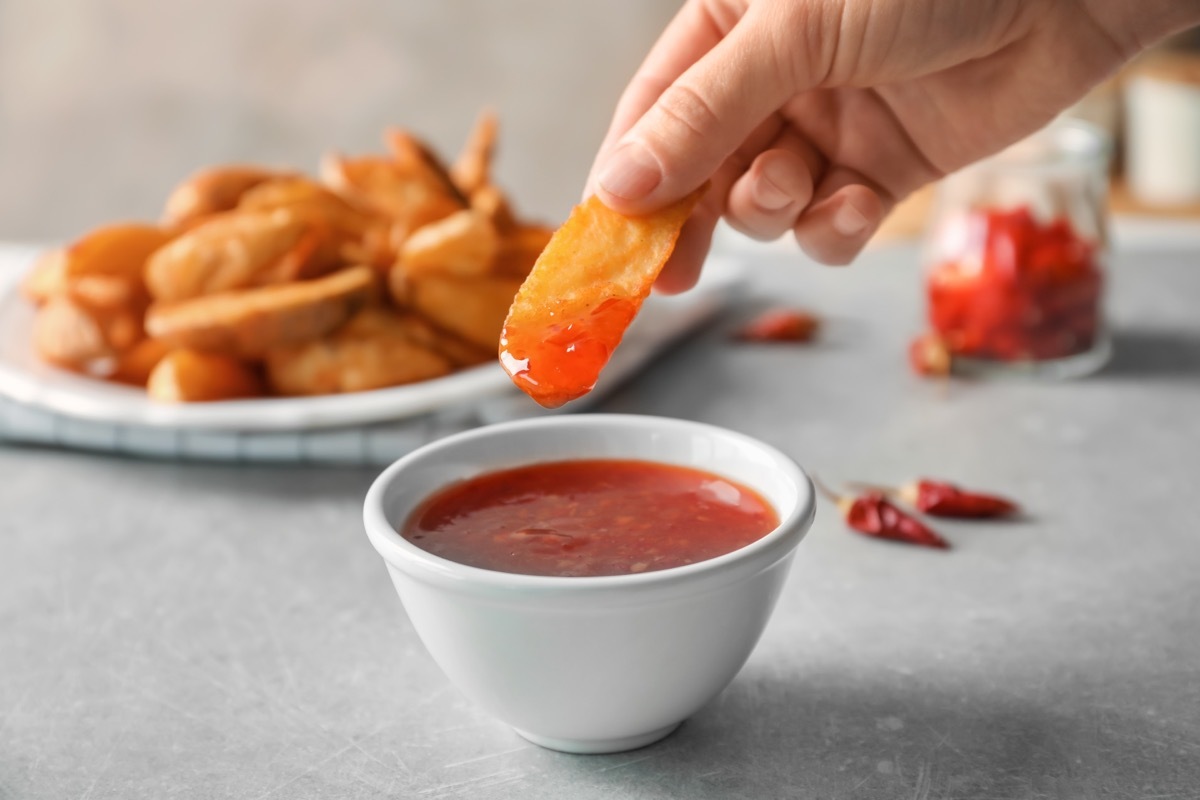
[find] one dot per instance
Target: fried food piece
(373, 350)
(236, 250)
(473, 168)
(581, 295)
(414, 155)
(47, 278)
(464, 243)
(358, 236)
(117, 250)
(411, 194)
(472, 309)
(491, 202)
(211, 191)
(135, 364)
(520, 248)
(458, 352)
(309, 200)
(250, 322)
(69, 334)
(189, 376)
(65, 334)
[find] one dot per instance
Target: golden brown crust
(250, 322)
(190, 376)
(374, 350)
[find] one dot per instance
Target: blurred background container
(106, 104)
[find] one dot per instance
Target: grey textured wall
(104, 104)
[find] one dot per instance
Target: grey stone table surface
(204, 631)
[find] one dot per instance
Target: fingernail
(849, 221)
(630, 172)
(767, 193)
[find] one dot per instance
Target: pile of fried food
(385, 270)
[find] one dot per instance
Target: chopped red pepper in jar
(1022, 290)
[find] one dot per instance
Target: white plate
(24, 378)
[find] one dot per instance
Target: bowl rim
(398, 552)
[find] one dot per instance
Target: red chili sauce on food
(589, 517)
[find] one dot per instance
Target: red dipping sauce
(588, 518)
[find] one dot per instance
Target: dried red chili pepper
(929, 355)
(871, 513)
(941, 499)
(780, 325)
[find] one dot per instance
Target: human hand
(817, 116)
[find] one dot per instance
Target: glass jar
(1015, 257)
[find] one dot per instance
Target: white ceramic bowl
(592, 664)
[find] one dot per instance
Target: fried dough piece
(250, 322)
(211, 191)
(373, 350)
(473, 167)
(472, 309)
(236, 250)
(583, 292)
(464, 243)
(190, 376)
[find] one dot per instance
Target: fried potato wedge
(190, 376)
(47, 277)
(374, 350)
(134, 366)
(113, 251)
(519, 250)
(585, 289)
(472, 309)
(308, 200)
(67, 335)
(237, 250)
(458, 352)
(250, 322)
(492, 203)
(472, 169)
(412, 193)
(464, 243)
(211, 191)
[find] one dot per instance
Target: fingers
(846, 213)
(691, 34)
(695, 124)
(683, 269)
(767, 200)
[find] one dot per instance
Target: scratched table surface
(201, 631)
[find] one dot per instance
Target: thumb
(696, 123)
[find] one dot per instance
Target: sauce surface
(589, 518)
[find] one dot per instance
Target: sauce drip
(561, 363)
